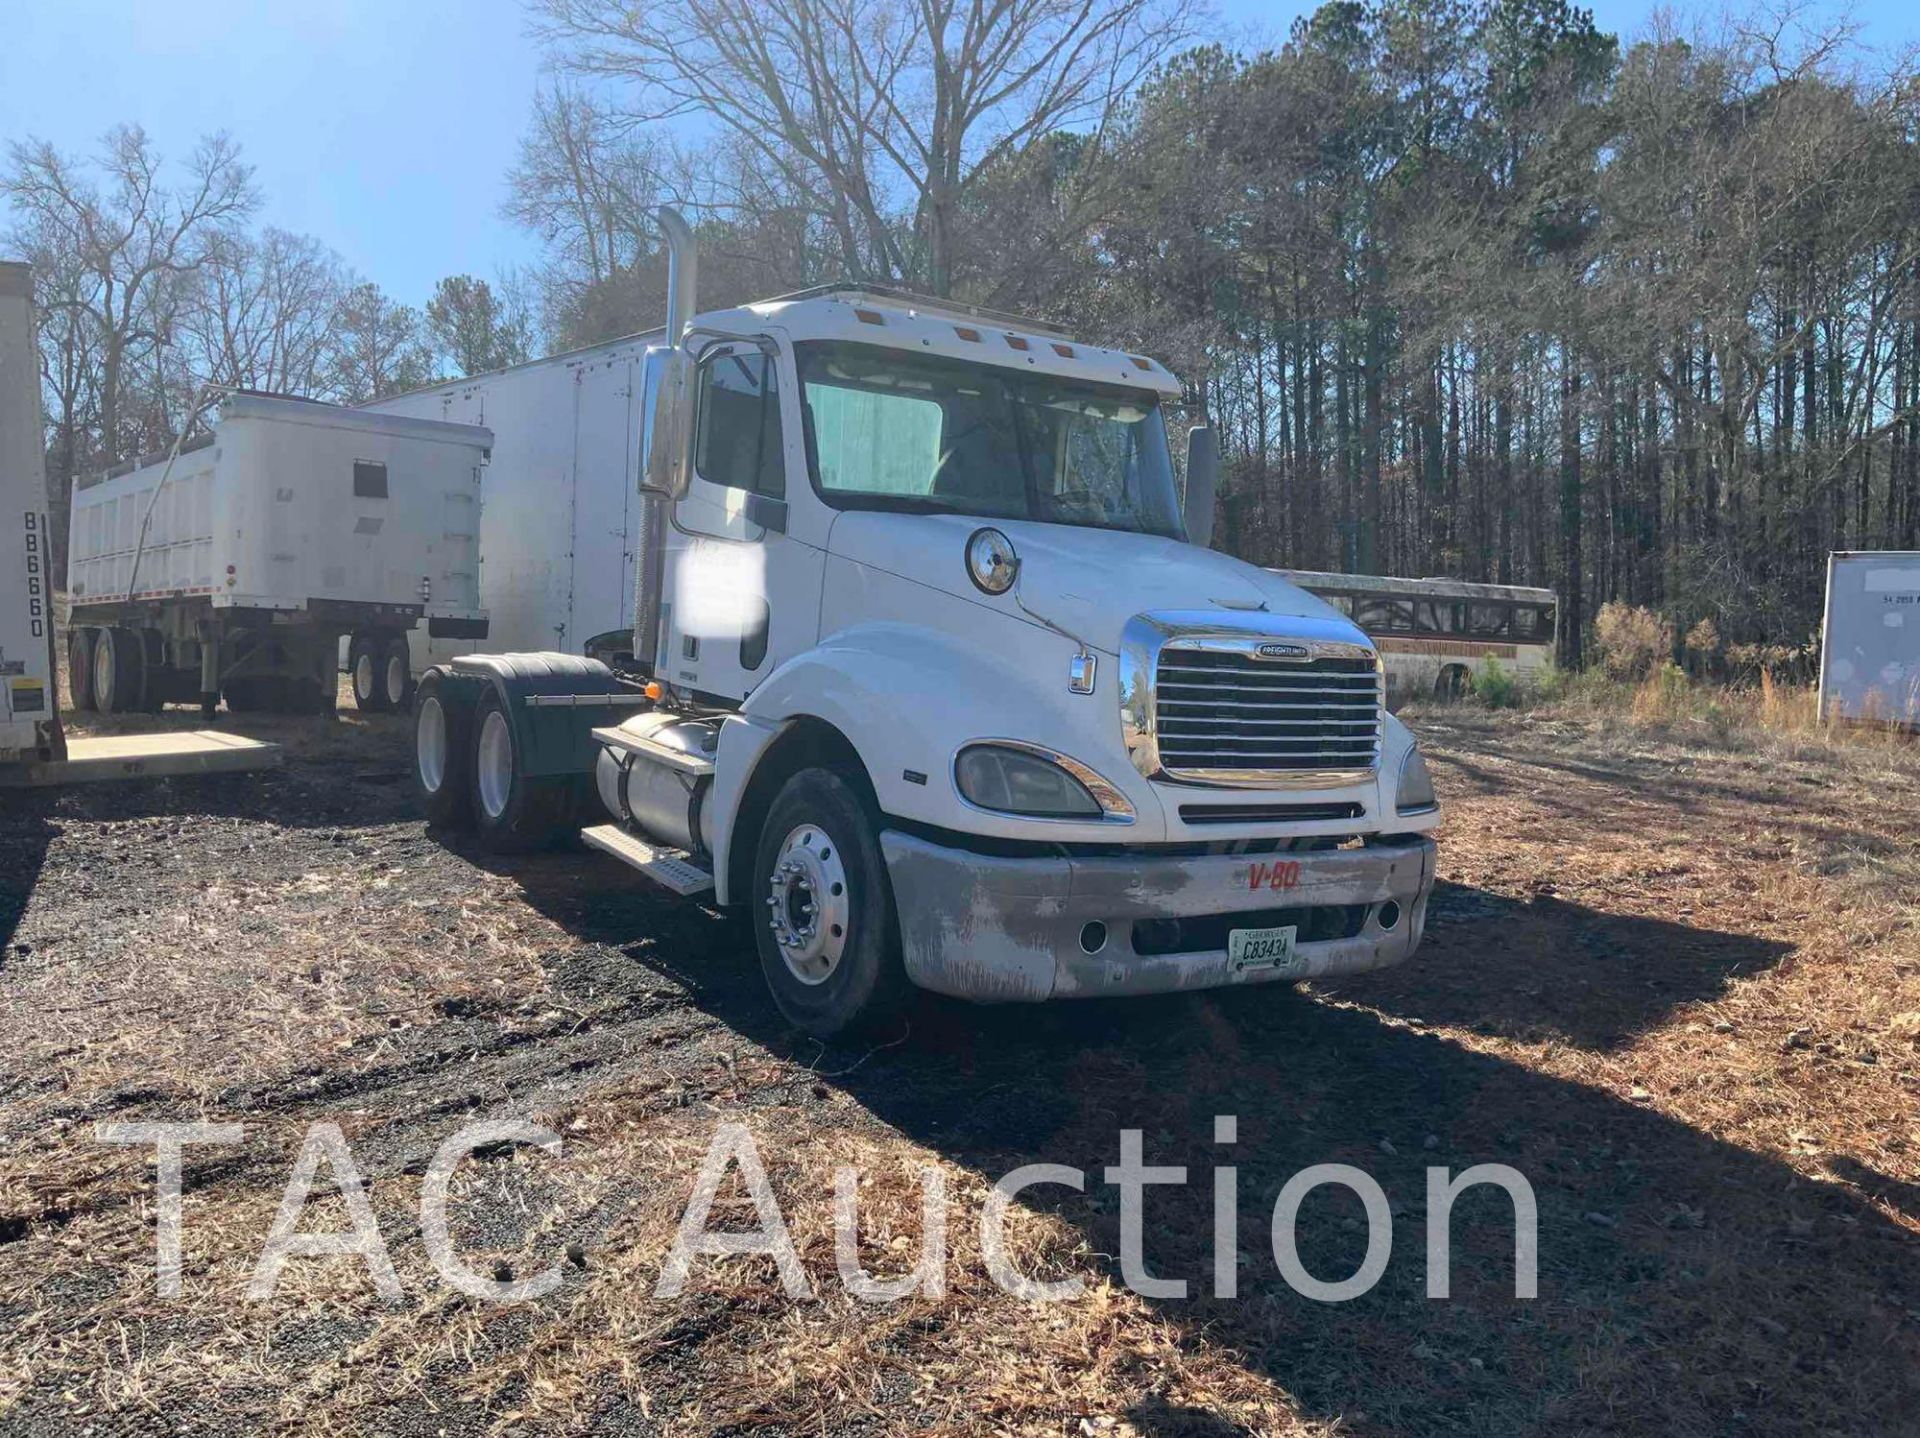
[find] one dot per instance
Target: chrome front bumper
(1010, 930)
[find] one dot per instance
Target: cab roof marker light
(870, 317)
(1016, 342)
(1064, 351)
(971, 335)
(1141, 361)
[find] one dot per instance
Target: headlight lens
(1416, 794)
(1011, 781)
(992, 563)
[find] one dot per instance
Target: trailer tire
(822, 909)
(513, 812)
(119, 671)
(80, 669)
(396, 670)
(366, 659)
(154, 675)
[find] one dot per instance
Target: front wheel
(823, 910)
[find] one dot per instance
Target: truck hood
(1088, 582)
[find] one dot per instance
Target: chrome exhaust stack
(683, 273)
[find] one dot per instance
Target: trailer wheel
(80, 669)
(822, 909)
(396, 672)
(512, 812)
(366, 661)
(443, 753)
(119, 671)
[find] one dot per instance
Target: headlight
(1036, 784)
(992, 564)
(1416, 794)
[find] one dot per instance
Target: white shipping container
(29, 718)
(1870, 653)
(560, 502)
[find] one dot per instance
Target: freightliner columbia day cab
(930, 674)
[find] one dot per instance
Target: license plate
(1261, 949)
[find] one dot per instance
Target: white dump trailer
(29, 707)
(236, 567)
(1870, 652)
(561, 511)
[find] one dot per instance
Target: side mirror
(1203, 477)
(666, 401)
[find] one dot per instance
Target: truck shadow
(24, 839)
(1543, 968)
(1686, 1284)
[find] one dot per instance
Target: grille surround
(1251, 700)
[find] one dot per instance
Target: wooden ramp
(146, 756)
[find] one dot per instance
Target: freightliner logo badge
(1281, 651)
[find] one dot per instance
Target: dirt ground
(1672, 977)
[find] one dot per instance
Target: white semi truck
(236, 566)
(929, 673)
(29, 706)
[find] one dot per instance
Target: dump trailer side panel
(29, 702)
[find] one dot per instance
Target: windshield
(887, 430)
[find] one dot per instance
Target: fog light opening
(1388, 914)
(1093, 937)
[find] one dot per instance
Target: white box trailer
(29, 706)
(235, 567)
(1870, 647)
(560, 507)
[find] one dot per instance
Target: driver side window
(737, 441)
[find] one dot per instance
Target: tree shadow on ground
(1686, 1285)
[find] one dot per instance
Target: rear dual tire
(80, 669)
(121, 683)
(381, 666)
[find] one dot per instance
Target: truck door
(744, 565)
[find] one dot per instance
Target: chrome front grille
(1222, 711)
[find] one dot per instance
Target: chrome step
(670, 868)
(665, 755)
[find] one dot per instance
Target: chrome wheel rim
(495, 766)
(808, 903)
(396, 678)
(363, 677)
(430, 745)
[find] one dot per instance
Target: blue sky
(385, 127)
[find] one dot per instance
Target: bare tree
(875, 107)
(261, 311)
(130, 240)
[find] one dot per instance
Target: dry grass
(1674, 977)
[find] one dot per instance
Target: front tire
(443, 753)
(822, 910)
